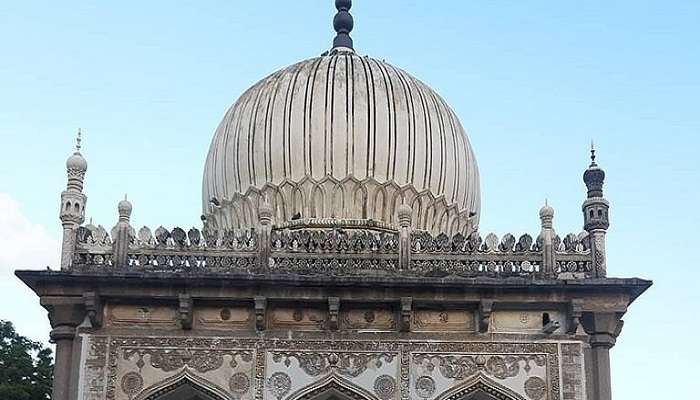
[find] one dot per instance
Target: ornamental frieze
(341, 363)
(460, 367)
(244, 366)
(201, 360)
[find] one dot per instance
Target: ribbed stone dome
(345, 137)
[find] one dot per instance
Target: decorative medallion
(385, 387)
(535, 388)
(369, 316)
(524, 318)
(444, 317)
(132, 383)
(239, 383)
(425, 387)
(225, 314)
(297, 315)
(279, 384)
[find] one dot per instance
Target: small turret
(72, 212)
(595, 213)
(122, 233)
(547, 237)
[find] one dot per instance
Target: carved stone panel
(93, 368)
(255, 368)
(303, 368)
(375, 319)
(302, 318)
(572, 372)
(524, 321)
(144, 367)
(436, 373)
(443, 320)
(136, 316)
(223, 318)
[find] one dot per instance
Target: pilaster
(65, 314)
(603, 329)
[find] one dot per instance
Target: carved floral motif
(131, 383)
(425, 386)
(239, 383)
(341, 363)
(549, 352)
(201, 360)
(535, 387)
(385, 387)
(460, 367)
(279, 384)
(334, 241)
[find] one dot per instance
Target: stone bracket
(68, 311)
(333, 309)
(185, 311)
(575, 313)
(260, 307)
(485, 308)
(406, 311)
(93, 307)
(603, 328)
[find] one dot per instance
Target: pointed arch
(332, 386)
(184, 382)
(480, 387)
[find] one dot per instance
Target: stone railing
(167, 250)
(333, 252)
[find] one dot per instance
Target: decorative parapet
(335, 252)
(334, 241)
(169, 250)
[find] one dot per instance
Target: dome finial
(592, 153)
(77, 141)
(343, 23)
(124, 208)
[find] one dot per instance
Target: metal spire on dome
(593, 153)
(343, 23)
(77, 141)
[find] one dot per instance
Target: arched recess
(184, 385)
(480, 387)
(332, 387)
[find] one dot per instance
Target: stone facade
(373, 361)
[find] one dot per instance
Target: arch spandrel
(184, 385)
(331, 388)
(479, 387)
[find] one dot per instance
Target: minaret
(595, 214)
(72, 212)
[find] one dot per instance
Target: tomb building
(339, 258)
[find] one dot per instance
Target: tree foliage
(26, 366)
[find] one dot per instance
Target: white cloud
(23, 245)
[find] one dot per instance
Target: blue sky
(533, 82)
